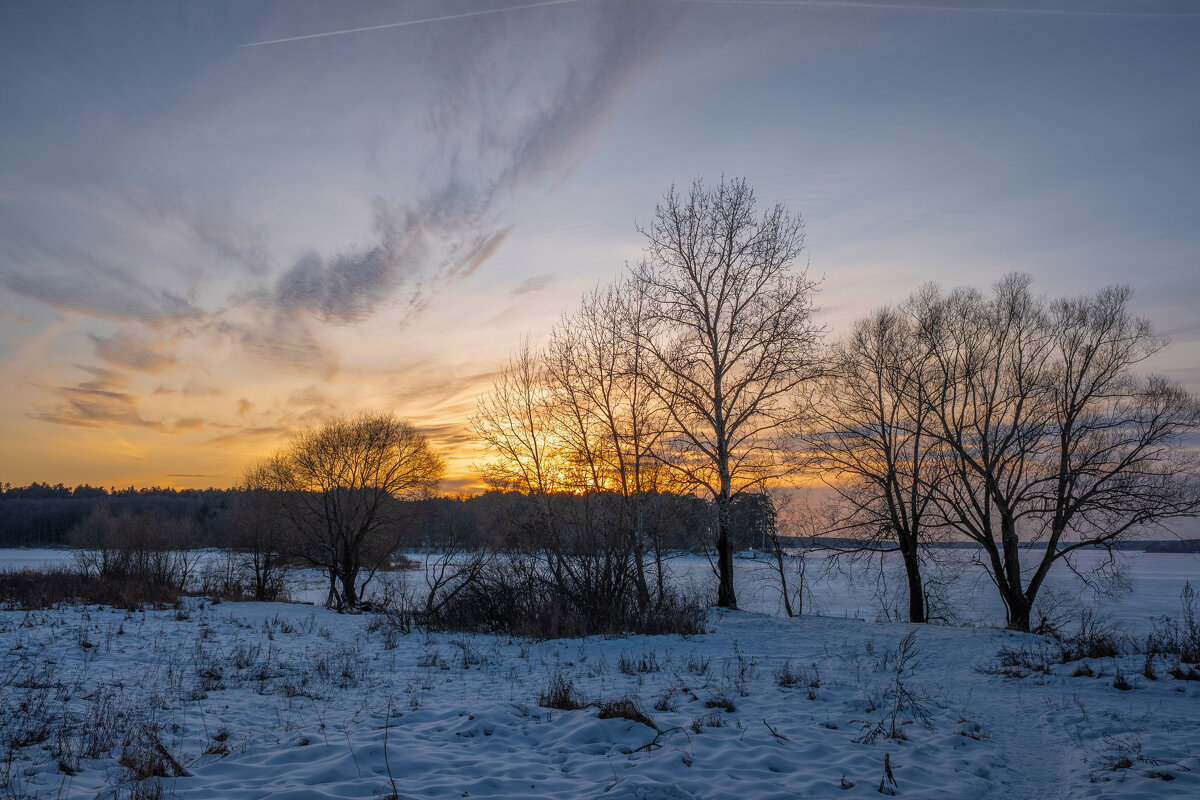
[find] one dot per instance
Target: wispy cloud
(346, 288)
(127, 350)
(250, 434)
(96, 403)
(532, 285)
(278, 339)
(217, 230)
(64, 276)
(216, 282)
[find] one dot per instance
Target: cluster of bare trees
(1014, 422)
(681, 377)
(148, 547)
(1008, 420)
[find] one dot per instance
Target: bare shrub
(1180, 674)
(666, 701)
(147, 547)
(902, 704)
(624, 708)
(40, 589)
(710, 720)
(787, 677)
(1094, 637)
(1018, 662)
(468, 655)
(722, 701)
(632, 665)
(222, 578)
(696, 663)
(145, 756)
(560, 693)
(1084, 670)
(518, 596)
(1179, 637)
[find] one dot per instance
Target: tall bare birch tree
(731, 339)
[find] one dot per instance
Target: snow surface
(312, 704)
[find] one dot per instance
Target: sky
(221, 222)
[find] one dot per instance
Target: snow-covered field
(254, 700)
(1154, 581)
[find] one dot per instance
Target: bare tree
(869, 439)
(572, 428)
(789, 522)
(1050, 435)
(257, 527)
(730, 340)
(456, 562)
(515, 424)
(609, 417)
(1116, 460)
(343, 480)
(149, 546)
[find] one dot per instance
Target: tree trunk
(639, 554)
(1010, 583)
(782, 569)
(916, 591)
(725, 594)
(349, 579)
(1019, 611)
(332, 601)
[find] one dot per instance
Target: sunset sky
(210, 238)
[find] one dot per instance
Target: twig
(387, 724)
(778, 736)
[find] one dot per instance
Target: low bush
(722, 701)
(1084, 670)
(1179, 673)
(709, 720)
(1094, 637)
(1018, 662)
(516, 598)
(1179, 637)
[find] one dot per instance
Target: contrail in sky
(866, 4)
(848, 4)
(406, 23)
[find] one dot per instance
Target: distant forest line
(45, 515)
